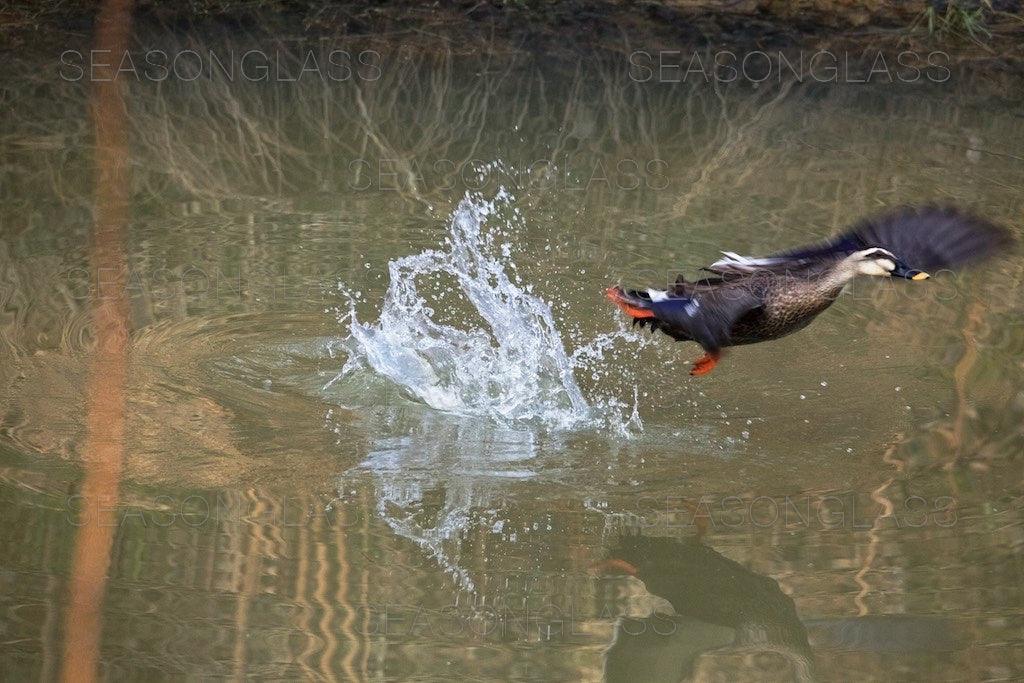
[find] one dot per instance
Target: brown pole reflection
(103, 453)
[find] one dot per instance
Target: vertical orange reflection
(103, 452)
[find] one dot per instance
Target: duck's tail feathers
(635, 303)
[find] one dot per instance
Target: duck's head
(882, 262)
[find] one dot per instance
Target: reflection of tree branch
(960, 375)
(104, 443)
(885, 505)
(355, 641)
(738, 142)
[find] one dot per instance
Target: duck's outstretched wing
(704, 314)
(928, 238)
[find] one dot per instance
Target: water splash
(460, 331)
(444, 478)
(505, 359)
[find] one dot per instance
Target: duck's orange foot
(705, 363)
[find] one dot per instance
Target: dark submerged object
(758, 299)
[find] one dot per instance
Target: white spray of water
(509, 364)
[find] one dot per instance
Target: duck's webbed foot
(705, 363)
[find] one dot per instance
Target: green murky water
(279, 519)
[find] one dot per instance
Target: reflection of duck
(758, 299)
(745, 618)
(717, 602)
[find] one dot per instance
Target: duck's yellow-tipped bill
(921, 276)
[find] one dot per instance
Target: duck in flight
(750, 300)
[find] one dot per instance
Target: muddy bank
(967, 30)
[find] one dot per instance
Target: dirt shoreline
(560, 27)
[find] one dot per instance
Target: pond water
(380, 422)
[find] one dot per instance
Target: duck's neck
(831, 282)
